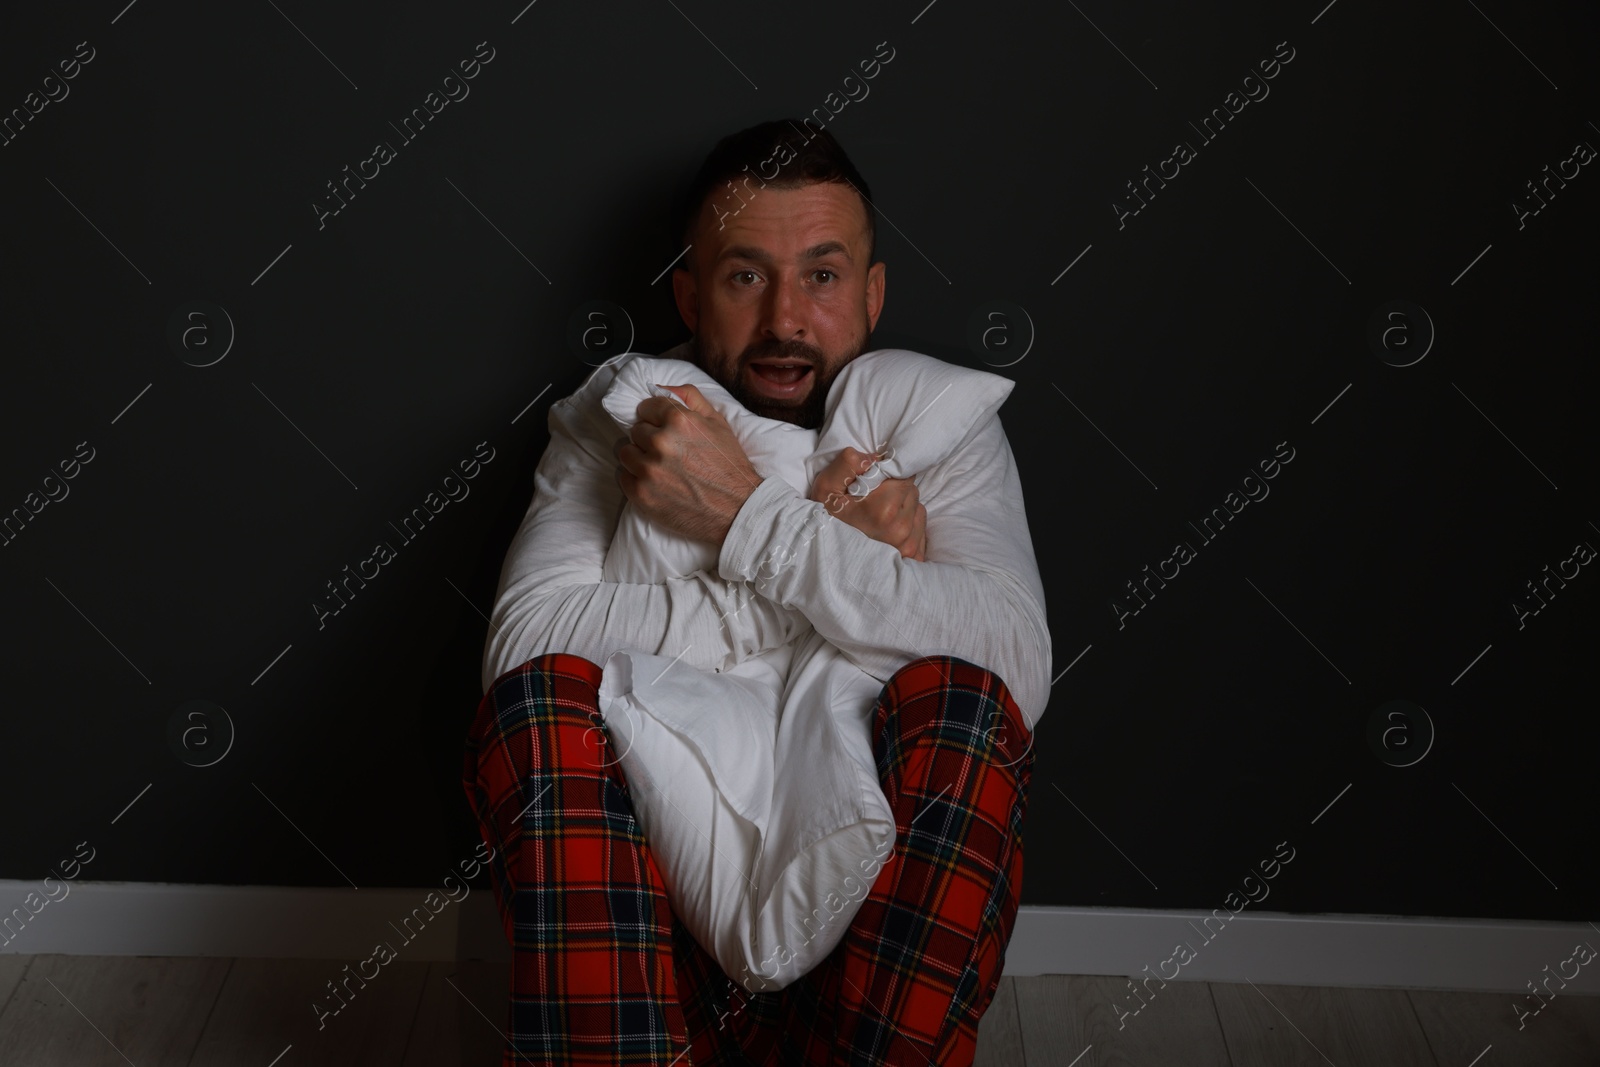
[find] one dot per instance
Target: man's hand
(891, 513)
(684, 468)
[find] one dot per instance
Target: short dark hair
(818, 157)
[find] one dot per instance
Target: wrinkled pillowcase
(921, 409)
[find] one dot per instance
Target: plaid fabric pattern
(603, 972)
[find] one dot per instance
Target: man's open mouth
(780, 372)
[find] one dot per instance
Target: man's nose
(783, 311)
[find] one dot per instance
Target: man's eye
(742, 273)
(825, 271)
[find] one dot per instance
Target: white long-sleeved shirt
(781, 572)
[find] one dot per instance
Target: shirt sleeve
(551, 596)
(977, 596)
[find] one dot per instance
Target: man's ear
(685, 292)
(875, 283)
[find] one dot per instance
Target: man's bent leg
(584, 907)
(920, 963)
(728, 1025)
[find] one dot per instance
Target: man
(941, 597)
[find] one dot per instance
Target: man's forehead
(760, 254)
(809, 222)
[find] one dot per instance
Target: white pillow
(923, 409)
(739, 875)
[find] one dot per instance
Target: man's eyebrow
(761, 255)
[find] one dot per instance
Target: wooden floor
(88, 1011)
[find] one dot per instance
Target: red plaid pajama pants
(604, 973)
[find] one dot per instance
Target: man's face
(785, 280)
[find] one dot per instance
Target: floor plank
(105, 1011)
(1290, 1026)
(267, 1006)
(1064, 1017)
(462, 1019)
(11, 968)
(999, 1031)
(1460, 1026)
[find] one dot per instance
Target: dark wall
(1243, 312)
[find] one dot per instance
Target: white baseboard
(167, 919)
(1486, 955)
(161, 919)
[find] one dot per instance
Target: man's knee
(553, 665)
(947, 667)
(941, 695)
(544, 683)
(540, 714)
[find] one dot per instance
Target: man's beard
(809, 413)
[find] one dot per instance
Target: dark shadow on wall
(618, 265)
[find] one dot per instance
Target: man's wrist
(730, 512)
(740, 556)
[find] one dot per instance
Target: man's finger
(922, 527)
(654, 410)
(831, 479)
(692, 398)
(852, 463)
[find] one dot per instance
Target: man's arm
(977, 596)
(551, 596)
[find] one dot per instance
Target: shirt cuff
(768, 517)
